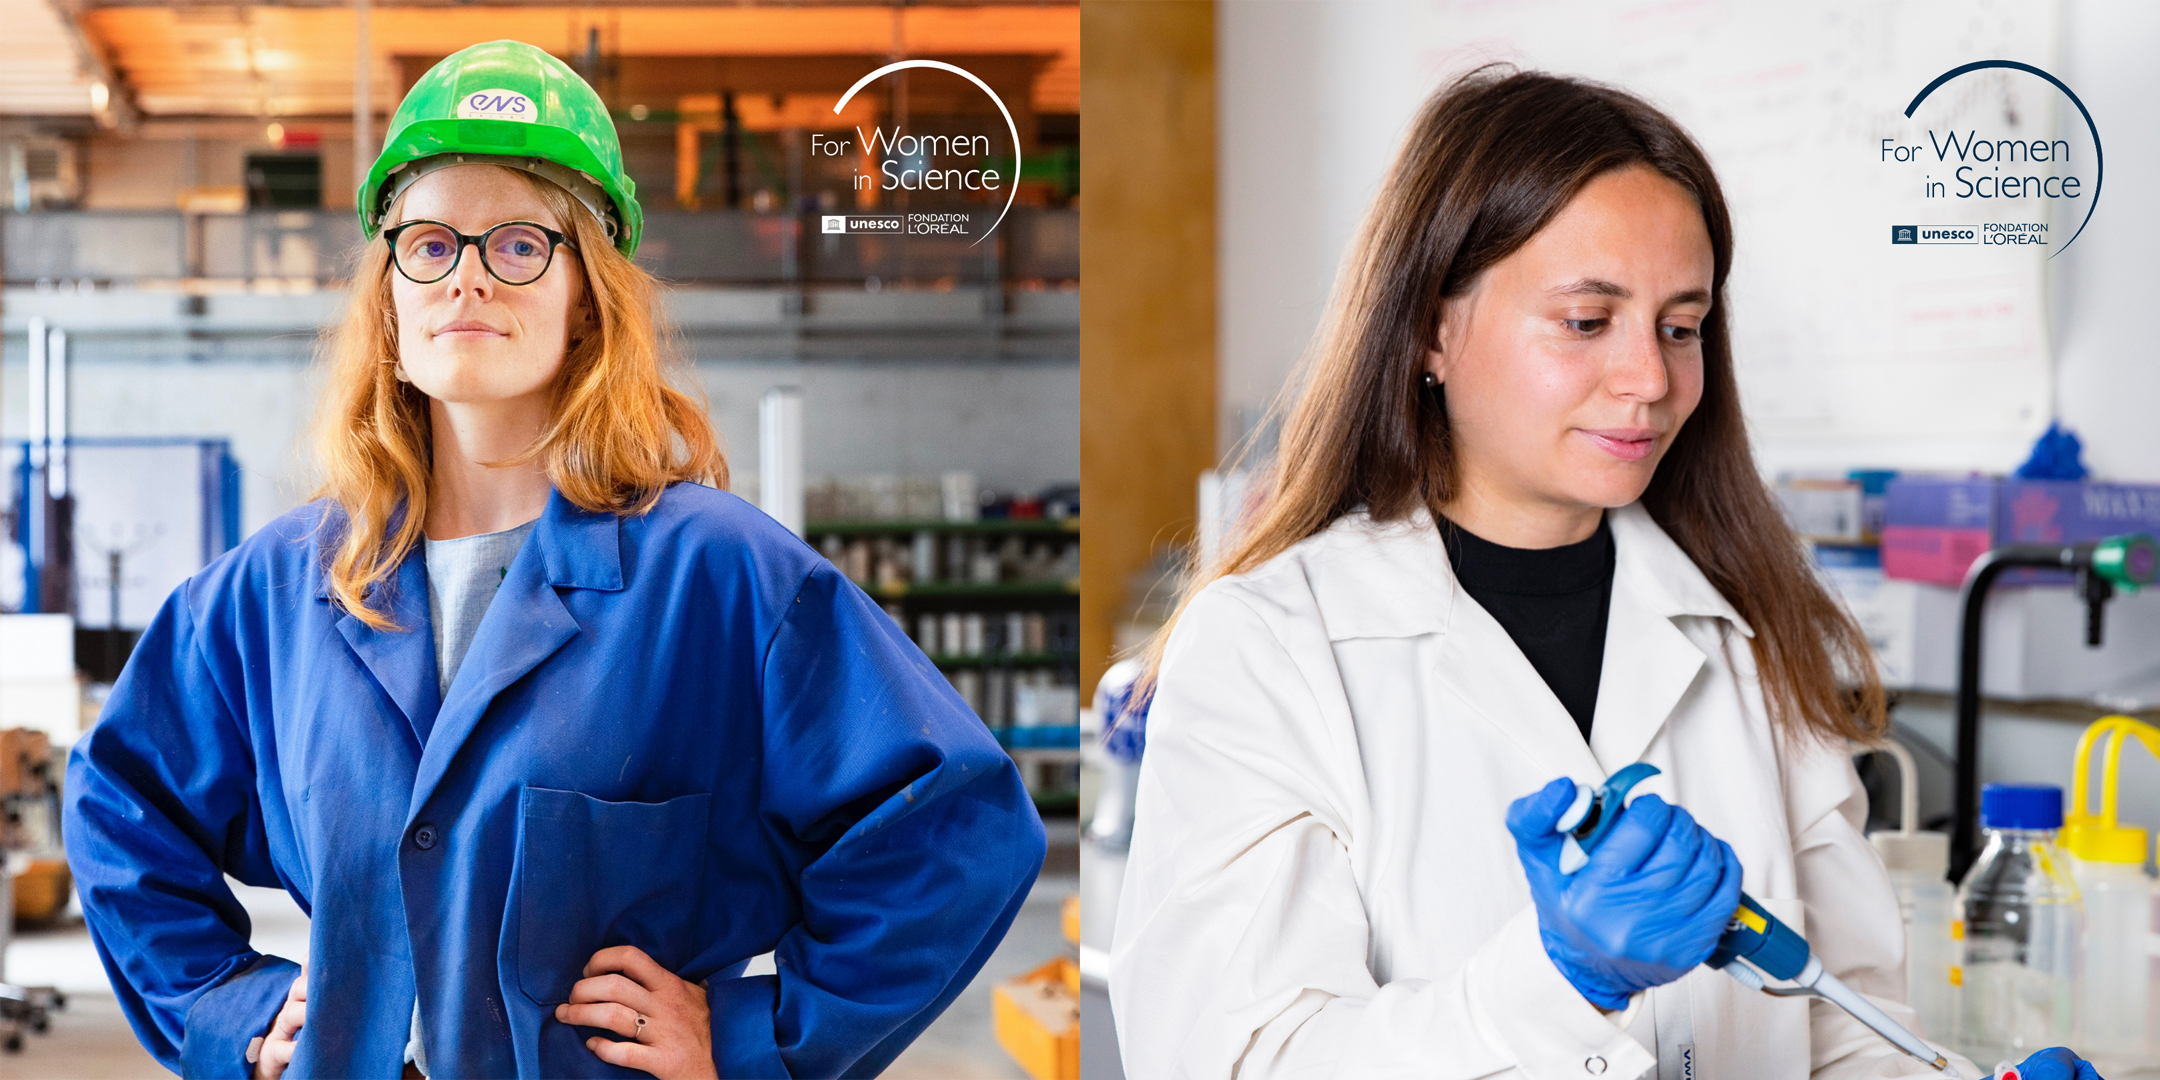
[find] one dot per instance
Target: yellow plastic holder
(2115, 984)
(2099, 837)
(1037, 1017)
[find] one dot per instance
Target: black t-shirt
(1552, 602)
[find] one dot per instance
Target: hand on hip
(270, 1053)
(666, 1019)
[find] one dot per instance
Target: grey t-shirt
(463, 575)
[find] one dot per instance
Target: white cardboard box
(53, 706)
(38, 688)
(34, 647)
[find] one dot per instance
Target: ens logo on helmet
(497, 105)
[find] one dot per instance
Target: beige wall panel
(130, 174)
(1147, 326)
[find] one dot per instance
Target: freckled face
(1571, 364)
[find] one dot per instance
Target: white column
(780, 456)
(38, 408)
(56, 415)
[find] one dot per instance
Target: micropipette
(1756, 948)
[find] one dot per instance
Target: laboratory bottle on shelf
(2021, 920)
(2107, 858)
(2118, 902)
(1917, 862)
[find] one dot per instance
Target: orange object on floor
(41, 890)
(1037, 1017)
(22, 752)
(1072, 919)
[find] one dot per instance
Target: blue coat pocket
(593, 874)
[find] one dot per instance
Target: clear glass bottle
(2022, 922)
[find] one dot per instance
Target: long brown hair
(620, 431)
(1489, 161)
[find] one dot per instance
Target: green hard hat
(507, 103)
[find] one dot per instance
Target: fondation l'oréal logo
(1977, 171)
(906, 163)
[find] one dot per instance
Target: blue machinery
(42, 526)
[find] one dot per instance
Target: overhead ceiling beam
(271, 62)
(118, 109)
(228, 5)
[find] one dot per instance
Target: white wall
(1312, 98)
(261, 406)
(1315, 97)
(1015, 424)
(2107, 379)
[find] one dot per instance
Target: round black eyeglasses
(514, 252)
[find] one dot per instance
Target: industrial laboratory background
(1901, 402)
(177, 227)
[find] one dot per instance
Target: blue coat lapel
(401, 660)
(525, 624)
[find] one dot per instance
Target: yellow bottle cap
(2093, 842)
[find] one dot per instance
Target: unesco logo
(1934, 234)
(2001, 187)
(917, 178)
(850, 224)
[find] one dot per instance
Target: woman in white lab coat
(1513, 533)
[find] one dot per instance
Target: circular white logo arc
(969, 76)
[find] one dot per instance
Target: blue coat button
(423, 837)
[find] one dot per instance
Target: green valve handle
(2127, 561)
(2118, 563)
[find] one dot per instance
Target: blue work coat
(683, 731)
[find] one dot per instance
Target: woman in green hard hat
(548, 734)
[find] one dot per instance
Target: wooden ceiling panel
(271, 61)
(39, 74)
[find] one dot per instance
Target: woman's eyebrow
(1592, 287)
(1601, 287)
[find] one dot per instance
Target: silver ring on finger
(639, 1034)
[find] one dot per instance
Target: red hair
(619, 434)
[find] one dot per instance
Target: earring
(1431, 380)
(399, 371)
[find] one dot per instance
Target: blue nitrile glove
(2057, 1063)
(1650, 905)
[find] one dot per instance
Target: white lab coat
(1322, 883)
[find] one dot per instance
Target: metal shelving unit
(998, 526)
(929, 576)
(964, 589)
